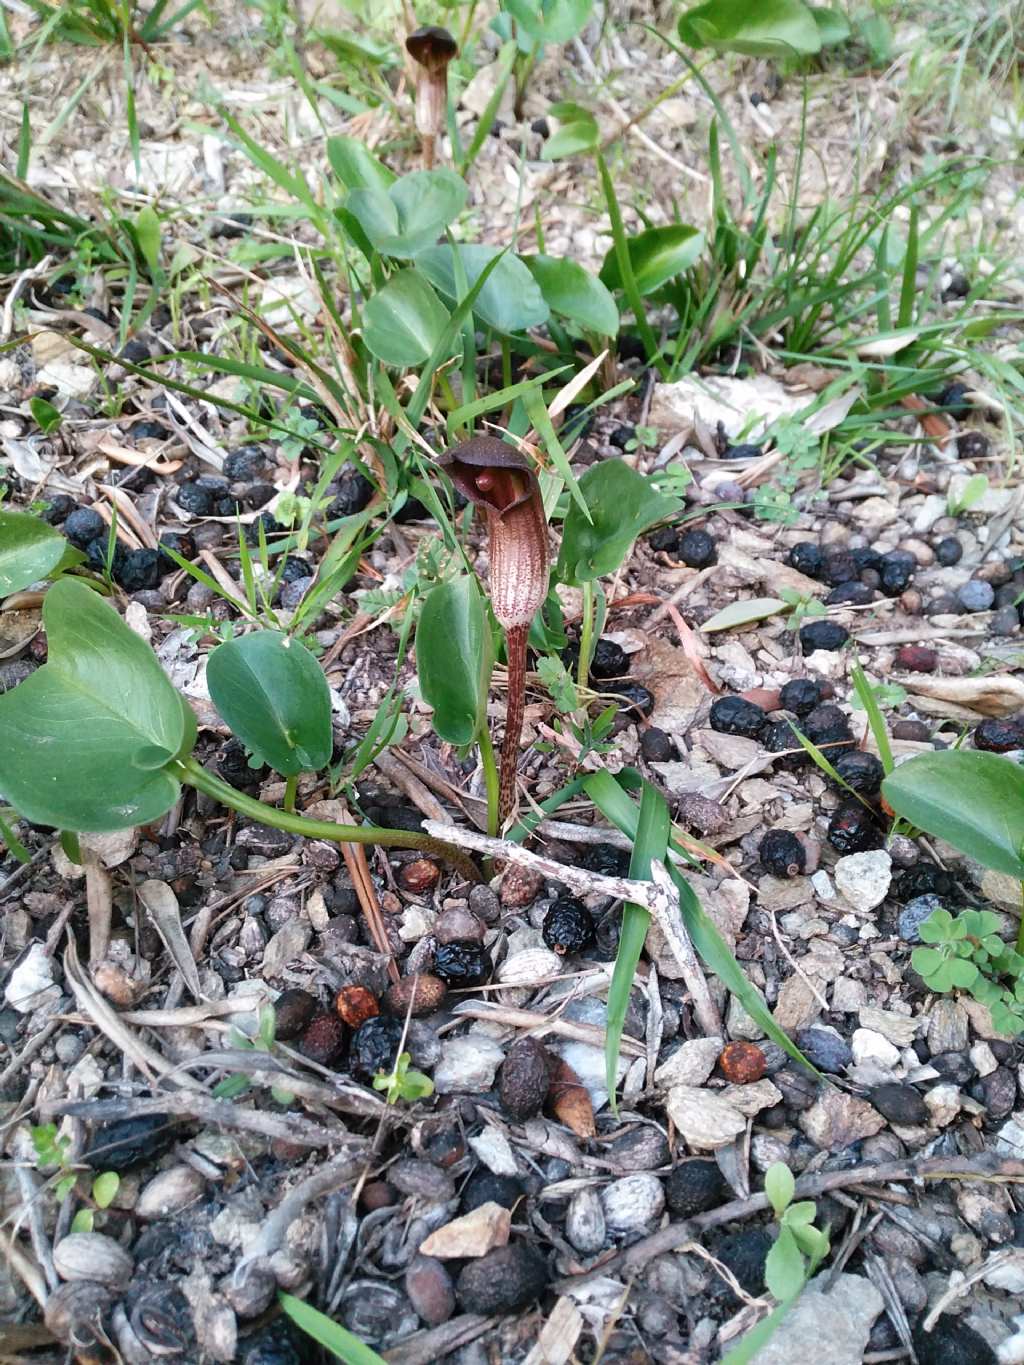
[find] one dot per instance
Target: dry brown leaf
(933, 424)
(691, 648)
(570, 1102)
(999, 694)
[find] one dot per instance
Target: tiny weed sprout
(402, 1083)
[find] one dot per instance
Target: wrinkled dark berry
(273, 1345)
(899, 1103)
(839, 566)
(195, 497)
(245, 464)
(665, 540)
(181, 542)
(293, 1010)
(271, 527)
(953, 399)
(924, 879)
(568, 926)
(462, 964)
(323, 1038)
(147, 430)
(375, 1044)
(782, 853)
(744, 1253)
(606, 859)
(484, 1187)
(779, 738)
(120, 1145)
(636, 700)
(233, 765)
(949, 551)
(828, 635)
(505, 1280)
(99, 554)
(84, 525)
(895, 571)
(138, 570)
(59, 507)
(800, 696)
(999, 736)
(806, 558)
(351, 496)
(524, 1079)
(852, 829)
(734, 716)
(861, 771)
(828, 725)
(656, 746)
(865, 558)
(972, 445)
(621, 436)
(610, 660)
(295, 568)
(694, 1187)
(745, 451)
(697, 549)
(852, 594)
(135, 351)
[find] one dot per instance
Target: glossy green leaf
(610, 798)
(833, 25)
(622, 504)
(411, 214)
(29, 550)
(784, 1269)
(779, 1186)
(273, 694)
(656, 256)
(577, 132)
(549, 21)
(767, 28)
(46, 417)
(404, 321)
(510, 300)
(573, 292)
(973, 800)
(744, 613)
(83, 740)
(454, 658)
(356, 166)
(331, 1335)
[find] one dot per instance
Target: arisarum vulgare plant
(497, 478)
(432, 48)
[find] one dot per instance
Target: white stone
(632, 1203)
(869, 1046)
(944, 1103)
(827, 1322)
(30, 984)
(751, 1099)
(983, 1058)
(739, 1023)
(900, 1029)
(495, 1151)
(1007, 1270)
(467, 1066)
(848, 995)
(822, 883)
(1010, 1138)
(690, 1064)
(863, 878)
(704, 1119)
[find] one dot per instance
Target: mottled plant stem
(515, 650)
(490, 779)
(195, 775)
(586, 634)
(290, 788)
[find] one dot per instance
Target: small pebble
(976, 595)
(825, 1049)
(899, 1103)
(657, 747)
(1005, 621)
(914, 914)
(632, 1203)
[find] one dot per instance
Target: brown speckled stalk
(515, 648)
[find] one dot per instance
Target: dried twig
(437, 1343)
(543, 1023)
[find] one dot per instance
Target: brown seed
(355, 1005)
(293, 1009)
(458, 924)
(742, 1063)
(378, 1194)
(430, 1289)
(282, 1149)
(445, 1148)
(570, 1102)
(424, 992)
(419, 877)
(765, 697)
(917, 658)
(324, 1039)
(520, 887)
(524, 1079)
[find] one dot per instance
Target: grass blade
(876, 720)
(331, 1335)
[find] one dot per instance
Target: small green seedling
(800, 1247)
(801, 606)
(104, 1192)
(965, 952)
(887, 695)
(403, 1084)
(972, 492)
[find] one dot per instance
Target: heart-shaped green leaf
(622, 503)
(549, 21)
(454, 658)
(656, 256)
(29, 550)
(273, 694)
(80, 738)
(404, 321)
(833, 25)
(975, 801)
(510, 300)
(411, 214)
(571, 291)
(769, 28)
(356, 166)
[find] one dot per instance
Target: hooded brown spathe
(433, 48)
(497, 478)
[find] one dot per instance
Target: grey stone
(976, 595)
(825, 1049)
(690, 1064)
(863, 878)
(467, 1066)
(836, 1119)
(833, 1322)
(914, 914)
(948, 1027)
